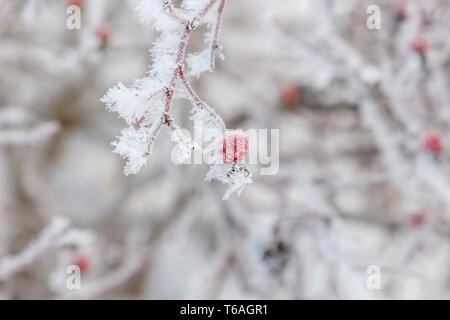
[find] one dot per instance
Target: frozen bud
(234, 146)
(417, 217)
(82, 261)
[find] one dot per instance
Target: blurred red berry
(79, 3)
(433, 142)
(417, 217)
(290, 94)
(420, 44)
(402, 9)
(103, 33)
(235, 146)
(82, 262)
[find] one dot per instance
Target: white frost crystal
(133, 145)
(199, 63)
(126, 102)
(235, 175)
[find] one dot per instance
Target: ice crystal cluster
(146, 104)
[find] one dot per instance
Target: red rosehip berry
(432, 142)
(103, 33)
(82, 262)
(420, 44)
(78, 3)
(234, 146)
(290, 94)
(417, 218)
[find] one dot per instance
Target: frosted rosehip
(103, 33)
(234, 146)
(417, 217)
(432, 142)
(290, 94)
(82, 262)
(420, 44)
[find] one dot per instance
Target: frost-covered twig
(47, 239)
(215, 46)
(111, 281)
(16, 131)
(200, 103)
(35, 135)
(170, 9)
(146, 106)
(140, 258)
(58, 233)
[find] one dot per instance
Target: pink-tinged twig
(200, 103)
(178, 72)
(215, 47)
(205, 10)
(170, 10)
(155, 94)
(171, 89)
